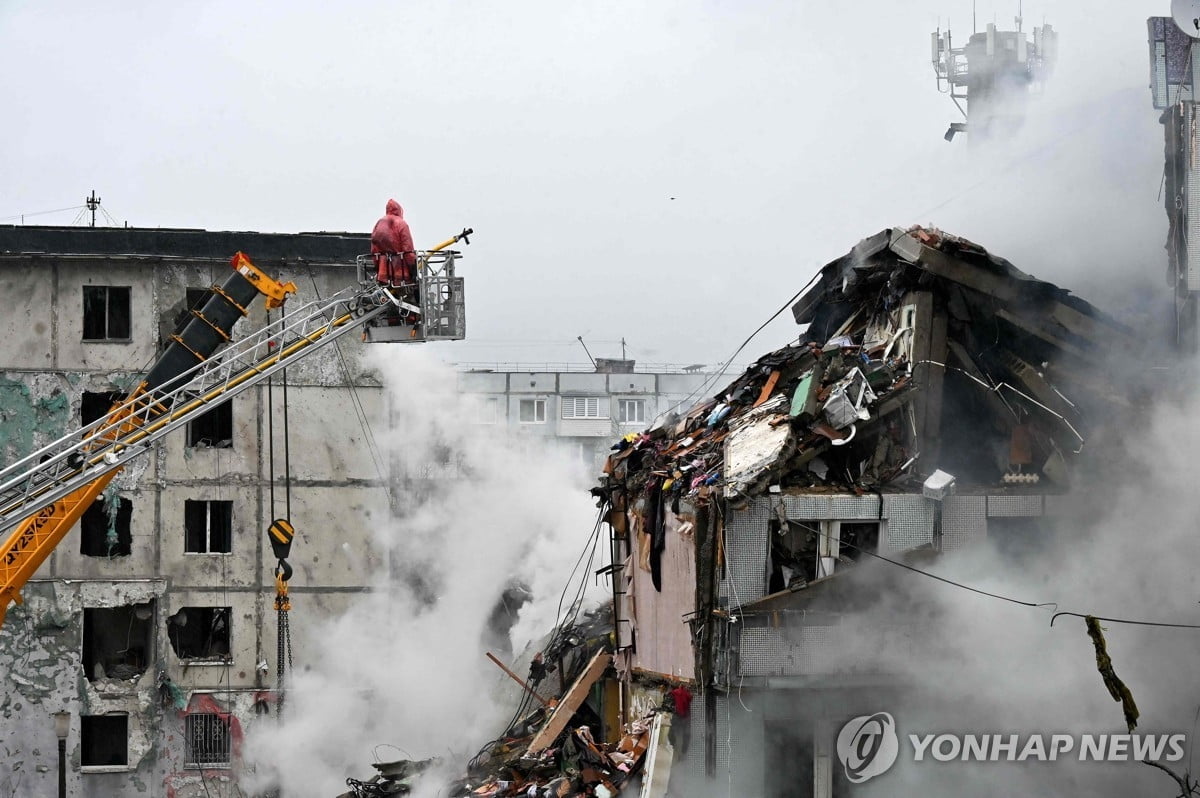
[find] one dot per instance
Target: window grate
(207, 741)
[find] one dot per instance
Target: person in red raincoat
(392, 246)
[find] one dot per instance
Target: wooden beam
(571, 701)
(517, 679)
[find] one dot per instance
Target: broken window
(206, 736)
(533, 411)
(104, 527)
(104, 741)
(200, 633)
(631, 411)
(855, 537)
(96, 404)
(106, 313)
(794, 552)
(581, 407)
(208, 527)
(117, 641)
(213, 429)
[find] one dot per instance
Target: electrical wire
(565, 625)
(712, 379)
(359, 411)
(1009, 599)
(996, 389)
(1125, 621)
(40, 213)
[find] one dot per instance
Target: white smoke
(404, 666)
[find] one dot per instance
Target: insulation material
(755, 444)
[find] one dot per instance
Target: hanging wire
(1010, 599)
(712, 379)
(40, 213)
(359, 411)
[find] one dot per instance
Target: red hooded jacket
(391, 236)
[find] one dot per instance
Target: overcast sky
(670, 172)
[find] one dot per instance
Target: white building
(585, 411)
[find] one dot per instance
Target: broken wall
(45, 368)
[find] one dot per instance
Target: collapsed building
(938, 396)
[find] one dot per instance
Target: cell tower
(1174, 68)
(990, 78)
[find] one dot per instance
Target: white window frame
(623, 406)
(539, 411)
(581, 407)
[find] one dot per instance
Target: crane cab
(429, 308)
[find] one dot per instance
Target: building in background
(584, 411)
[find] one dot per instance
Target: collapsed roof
(922, 352)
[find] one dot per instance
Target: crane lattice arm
(44, 494)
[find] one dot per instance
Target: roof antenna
(974, 25)
(93, 202)
(579, 338)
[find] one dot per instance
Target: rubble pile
(910, 332)
(577, 765)
(550, 748)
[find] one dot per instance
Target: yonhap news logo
(869, 745)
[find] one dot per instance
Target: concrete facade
(157, 707)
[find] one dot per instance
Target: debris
(1116, 687)
(909, 330)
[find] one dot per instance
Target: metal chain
(284, 646)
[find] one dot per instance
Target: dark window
(105, 313)
(856, 537)
(788, 755)
(214, 429)
(104, 528)
(207, 739)
(104, 740)
(200, 633)
(117, 641)
(208, 527)
(96, 404)
(1021, 539)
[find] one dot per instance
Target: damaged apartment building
(937, 397)
(152, 624)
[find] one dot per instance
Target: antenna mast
(93, 202)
